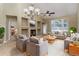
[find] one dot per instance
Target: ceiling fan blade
(52, 13)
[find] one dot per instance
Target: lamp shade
(37, 10)
(31, 11)
(25, 10)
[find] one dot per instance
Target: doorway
(44, 28)
(11, 21)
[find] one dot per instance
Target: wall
(1, 15)
(78, 18)
(11, 9)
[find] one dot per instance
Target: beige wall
(78, 18)
(11, 10)
(1, 15)
(72, 19)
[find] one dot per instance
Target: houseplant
(72, 30)
(2, 31)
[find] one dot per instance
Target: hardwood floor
(55, 49)
(9, 49)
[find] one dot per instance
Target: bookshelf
(38, 25)
(24, 26)
(30, 29)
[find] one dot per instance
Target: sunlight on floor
(56, 49)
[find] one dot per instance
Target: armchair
(73, 49)
(37, 47)
(21, 43)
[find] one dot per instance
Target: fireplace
(33, 32)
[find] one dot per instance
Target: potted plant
(72, 30)
(2, 31)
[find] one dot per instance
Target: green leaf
(2, 31)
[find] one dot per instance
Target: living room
(39, 29)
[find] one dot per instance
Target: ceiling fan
(48, 13)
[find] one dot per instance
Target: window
(59, 25)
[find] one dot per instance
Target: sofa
(21, 43)
(60, 34)
(37, 47)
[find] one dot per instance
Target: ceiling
(60, 9)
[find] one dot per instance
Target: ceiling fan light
(25, 10)
(31, 8)
(37, 10)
